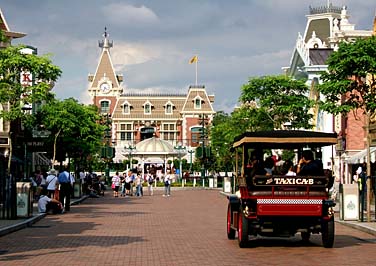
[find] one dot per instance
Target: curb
(364, 228)
(27, 223)
(30, 221)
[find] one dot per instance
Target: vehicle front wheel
(243, 229)
(327, 232)
(230, 231)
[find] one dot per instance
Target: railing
(302, 49)
(325, 9)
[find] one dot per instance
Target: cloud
(124, 54)
(124, 14)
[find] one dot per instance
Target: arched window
(105, 107)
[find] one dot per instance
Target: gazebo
(153, 151)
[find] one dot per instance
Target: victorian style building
(326, 27)
(171, 119)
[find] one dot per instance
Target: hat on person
(52, 172)
(359, 170)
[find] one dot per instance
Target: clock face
(105, 87)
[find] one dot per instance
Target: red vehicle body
(278, 205)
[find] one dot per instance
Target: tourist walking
(167, 185)
(116, 184)
(150, 180)
(51, 181)
(64, 180)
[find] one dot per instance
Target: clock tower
(105, 85)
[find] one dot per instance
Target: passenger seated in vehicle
(288, 168)
(268, 166)
(308, 166)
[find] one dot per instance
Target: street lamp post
(203, 121)
(129, 149)
(180, 150)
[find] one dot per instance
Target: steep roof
(319, 56)
(195, 92)
(5, 28)
(105, 69)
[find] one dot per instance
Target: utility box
(24, 199)
(349, 202)
(227, 185)
(77, 192)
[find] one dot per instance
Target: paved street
(187, 228)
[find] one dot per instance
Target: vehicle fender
(233, 199)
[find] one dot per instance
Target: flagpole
(196, 70)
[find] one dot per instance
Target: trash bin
(349, 202)
(77, 191)
(227, 184)
(24, 199)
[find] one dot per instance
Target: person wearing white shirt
(46, 204)
(51, 181)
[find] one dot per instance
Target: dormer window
(147, 108)
(169, 108)
(126, 108)
(197, 102)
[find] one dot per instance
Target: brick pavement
(188, 228)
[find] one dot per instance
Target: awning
(361, 156)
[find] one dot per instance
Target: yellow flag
(193, 59)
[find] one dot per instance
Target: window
(197, 103)
(196, 134)
(169, 108)
(126, 108)
(125, 136)
(147, 108)
(126, 132)
(168, 131)
(105, 107)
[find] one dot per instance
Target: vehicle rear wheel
(243, 229)
(327, 232)
(230, 231)
(305, 236)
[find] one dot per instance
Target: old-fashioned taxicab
(277, 205)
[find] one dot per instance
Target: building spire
(374, 25)
(105, 44)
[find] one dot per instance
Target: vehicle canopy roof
(285, 139)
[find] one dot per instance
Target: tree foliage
(279, 99)
(350, 82)
(13, 95)
(72, 125)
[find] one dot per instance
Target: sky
(155, 39)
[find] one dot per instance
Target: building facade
(326, 27)
(137, 116)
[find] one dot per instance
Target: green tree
(73, 125)
(279, 99)
(14, 96)
(350, 85)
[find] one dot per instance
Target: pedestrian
(115, 184)
(128, 181)
(46, 204)
(150, 180)
(122, 182)
(51, 181)
(167, 185)
(138, 183)
(64, 180)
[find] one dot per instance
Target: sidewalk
(9, 226)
